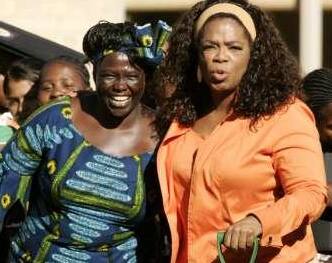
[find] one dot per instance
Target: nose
(120, 84)
(20, 105)
(58, 91)
(221, 54)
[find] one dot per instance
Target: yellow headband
(227, 8)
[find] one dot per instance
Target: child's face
(59, 79)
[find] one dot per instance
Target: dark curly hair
(270, 82)
(110, 36)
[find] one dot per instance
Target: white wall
(62, 21)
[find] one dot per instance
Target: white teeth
(120, 98)
(119, 101)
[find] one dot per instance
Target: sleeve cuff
(270, 228)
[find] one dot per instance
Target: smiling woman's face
(224, 54)
(120, 84)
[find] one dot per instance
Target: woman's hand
(242, 233)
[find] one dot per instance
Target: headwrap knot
(144, 43)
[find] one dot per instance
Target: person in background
(60, 76)
(76, 166)
(317, 87)
(242, 153)
(21, 77)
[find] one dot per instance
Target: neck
(219, 103)
(223, 102)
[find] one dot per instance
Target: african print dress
(81, 205)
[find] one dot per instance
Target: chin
(119, 112)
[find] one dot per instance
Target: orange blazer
(274, 171)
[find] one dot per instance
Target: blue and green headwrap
(145, 43)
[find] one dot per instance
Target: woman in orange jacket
(241, 154)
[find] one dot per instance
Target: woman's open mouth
(119, 101)
(218, 76)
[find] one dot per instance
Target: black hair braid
(105, 35)
(317, 86)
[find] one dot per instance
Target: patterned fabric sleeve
(20, 159)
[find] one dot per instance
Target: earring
(199, 74)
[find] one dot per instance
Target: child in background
(60, 76)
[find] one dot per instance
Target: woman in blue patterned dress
(76, 166)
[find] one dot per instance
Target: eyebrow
(115, 72)
(49, 80)
(232, 42)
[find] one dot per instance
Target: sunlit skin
(224, 57)
(324, 126)
(113, 119)
(57, 80)
(17, 89)
(120, 84)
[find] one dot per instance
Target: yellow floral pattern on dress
(51, 166)
(66, 112)
(147, 41)
(27, 257)
(5, 200)
(87, 144)
(57, 233)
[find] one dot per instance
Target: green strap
(220, 240)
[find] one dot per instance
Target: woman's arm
(19, 161)
(299, 170)
(299, 165)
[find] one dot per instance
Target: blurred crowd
(28, 84)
